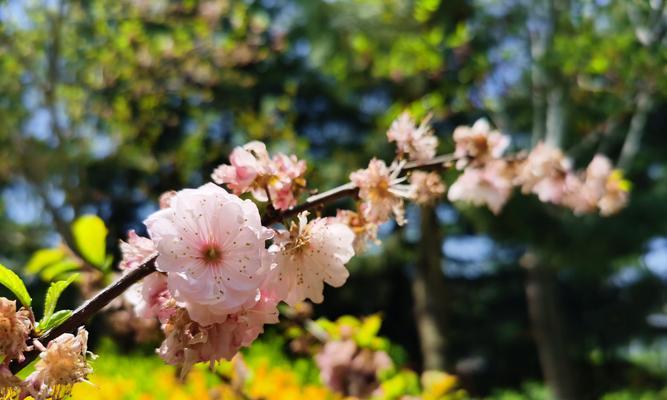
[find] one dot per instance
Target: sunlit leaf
(59, 269)
(90, 235)
(43, 258)
(52, 295)
(12, 282)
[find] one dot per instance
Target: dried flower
(381, 192)
(15, 327)
(427, 187)
(417, 142)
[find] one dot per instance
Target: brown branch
(82, 314)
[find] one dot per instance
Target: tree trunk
(549, 330)
(428, 291)
(636, 131)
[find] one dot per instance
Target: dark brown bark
(549, 331)
(428, 291)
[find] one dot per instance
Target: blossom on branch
(279, 178)
(188, 342)
(62, 364)
(15, 328)
(490, 185)
(381, 192)
(545, 173)
(308, 255)
(364, 231)
(136, 251)
(478, 144)
(427, 187)
(212, 246)
(417, 142)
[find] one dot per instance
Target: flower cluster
(15, 327)
(489, 179)
(220, 282)
(279, 179)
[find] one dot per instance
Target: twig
(82, 314)
(349, 190)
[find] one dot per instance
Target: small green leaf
(90, 235)
(43, 258)
(368, 330)
(12, 282)
(52, 295)
(56, 319)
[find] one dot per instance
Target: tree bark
(549, 331)
(428, 291)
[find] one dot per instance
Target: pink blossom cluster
(489, 179)
(279, 179)
(350, 370)
(219, 280)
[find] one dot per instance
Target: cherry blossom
(136, 251)
(62, 364)
(188, 342)
(364, 231)
(490, 185)
(15, 327)
(427, 187)
(417, 142)
(309, 255)
(545, 173)
(347, 369)
(616, 194)
(251, 169)
(381, 192)
(478, 144)
(212, 246)
(151, 297)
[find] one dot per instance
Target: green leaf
(368, 330)
(59, 269)
(43, 258)
(52, 295)
(90, 235)
(12, 282)
(56, 319)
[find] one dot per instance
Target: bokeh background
(105, 104)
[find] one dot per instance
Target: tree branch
(82, 314)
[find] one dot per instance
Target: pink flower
(350, 370)
(165, 198)
(212, 246)
(15, 327)
(478, 144)
(427, 187)
(136, 251)
(490, 185)
(151, 297)
(188, 342)
(381, 192)
(364, 231)
(616, 194)
(544, 173)
(417, 142)
(10, 384)
(309, 255)
(241, 174)
(280, 178)
(61, 365)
